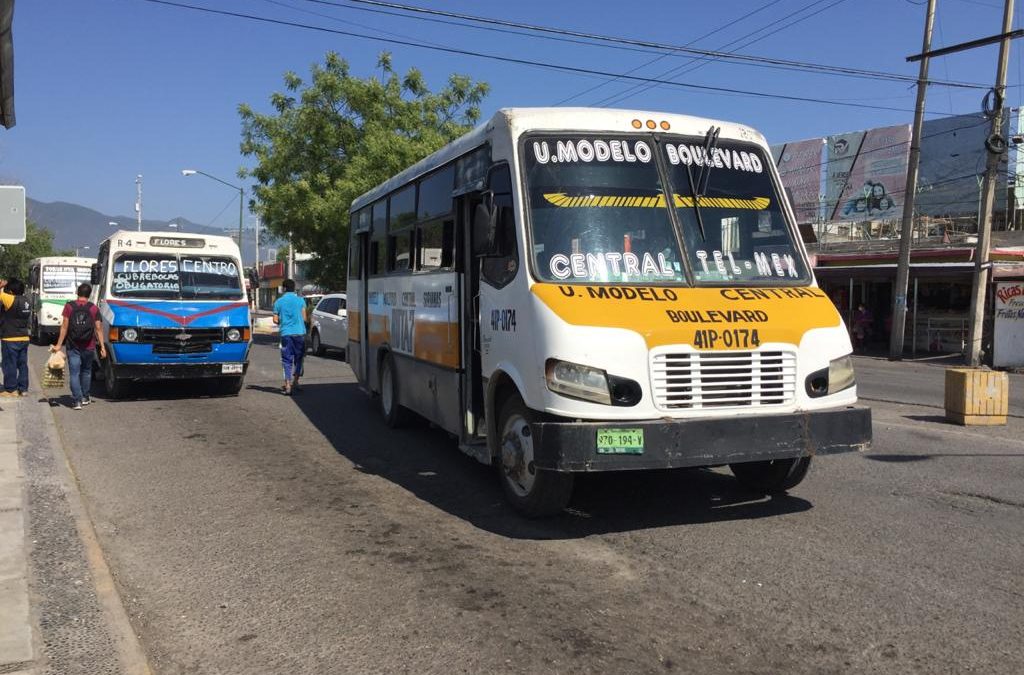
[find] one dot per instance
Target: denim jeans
(15, 366)
(80, 372)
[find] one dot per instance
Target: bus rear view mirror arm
(95, 275)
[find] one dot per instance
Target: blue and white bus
(173, 307)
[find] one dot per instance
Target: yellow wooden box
(976, 396)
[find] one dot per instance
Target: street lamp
(113, 223)
(241, 196)
(77, 251)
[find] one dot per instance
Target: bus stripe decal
(185, 320)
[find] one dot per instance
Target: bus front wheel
(533, 492)
(772, 476)
(115, 385)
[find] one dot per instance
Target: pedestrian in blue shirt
(290, 315)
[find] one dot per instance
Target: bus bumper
(572, 446)
(177, 371)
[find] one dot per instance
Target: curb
(131, 655)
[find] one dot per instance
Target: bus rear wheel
(533, 492)
(772, 476)
(396, 416)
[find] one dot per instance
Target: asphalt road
(267, 534)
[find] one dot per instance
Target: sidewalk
(16, 648)
(60, 611)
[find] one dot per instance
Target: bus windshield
(176, 276)
(735, 231)
(597, 211)
(63, 279)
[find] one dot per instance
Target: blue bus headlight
(129, 334)
(233, 335)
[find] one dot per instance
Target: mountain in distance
(75, 226)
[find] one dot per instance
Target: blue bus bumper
(138, 362)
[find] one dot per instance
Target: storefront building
(938, 297)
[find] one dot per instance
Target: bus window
(174, 276)
(355, 260)
(436, 248)
(378, 253)
(471, 169)
(603, 220)
(499, 271)
(745, 236)
(400, 246)
(436, 194)
(402, 208)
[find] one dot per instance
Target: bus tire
(115, 386)
(316, 346)
(773, 476)
(395, 415)
(533, 492)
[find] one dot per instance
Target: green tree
(335, 137)
(14, 259)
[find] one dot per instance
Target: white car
(328, 324)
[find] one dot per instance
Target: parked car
(328, 325)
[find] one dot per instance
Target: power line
(760, 60)
(527, 62)
(643, 65)
(694, 64)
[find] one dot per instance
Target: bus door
(362, 372)
(468, 267)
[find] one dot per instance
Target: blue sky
(108, 89)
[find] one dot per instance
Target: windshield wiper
(698, 188)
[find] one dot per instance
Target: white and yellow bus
(571, 290)
(52, 283)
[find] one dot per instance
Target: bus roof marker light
(651, 124)
(637, 124)
(665, 125)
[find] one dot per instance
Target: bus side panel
(414, 317)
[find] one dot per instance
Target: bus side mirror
(95, 276)
(485, 227)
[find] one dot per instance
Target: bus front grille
(181, 341)
(700, 380)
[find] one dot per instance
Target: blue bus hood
(177, 313)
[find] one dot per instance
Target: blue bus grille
(181, 340)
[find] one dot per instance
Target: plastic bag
(54, 370)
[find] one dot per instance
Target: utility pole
(257, 263)
(291, 258)
(899, 294)
(995, 148)
(138, 201)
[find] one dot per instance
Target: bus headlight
(129, 334)
(840, 374)
(832, 380)
(233, 335)
(576, 381)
